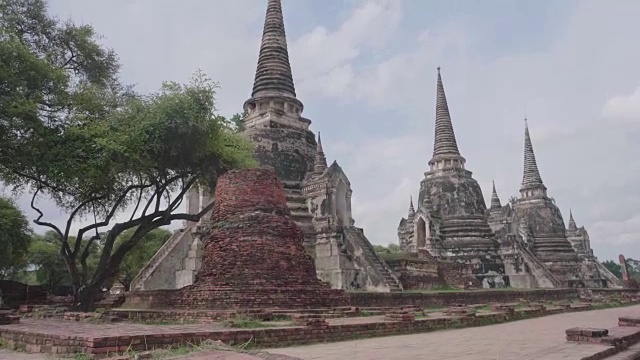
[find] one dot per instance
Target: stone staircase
(544, 277)
(615, 282)
(166, 257)
(297, 204)
(356, 235)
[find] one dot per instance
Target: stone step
(296, 197)
(300, 215)
(302, 207)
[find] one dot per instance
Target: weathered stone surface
(450, 219)
(289, 151)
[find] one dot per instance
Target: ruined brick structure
(318, 196)
(450, 220)
(253, 256)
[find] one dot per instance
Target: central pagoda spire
(531, 180)
(445, 146)
(273, 75)
(273, 98)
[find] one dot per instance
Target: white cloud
(322, 58)
(623, 107)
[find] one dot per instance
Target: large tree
(110, 158)
(15, 236)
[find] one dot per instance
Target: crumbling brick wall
(254, 256)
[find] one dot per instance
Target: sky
(366, 72)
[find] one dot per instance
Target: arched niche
(422, 233)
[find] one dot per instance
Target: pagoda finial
(412, 210)
(273, 74)
(445, 139)
(531, 179)
(572, 222)
(495, 200)
(320, 163)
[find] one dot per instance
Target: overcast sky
(366, 72)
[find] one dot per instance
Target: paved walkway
(10, 355)
(540, 339)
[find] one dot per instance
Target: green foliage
(237, 122)
(614, 267)
(141, 253)
(73, 133)
(44, 256)
(15, 236)
(391, 248)
(49, 267)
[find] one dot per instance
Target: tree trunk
(86, 298)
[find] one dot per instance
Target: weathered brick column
(254, 256)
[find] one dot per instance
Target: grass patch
(244, 322)
(364, 313)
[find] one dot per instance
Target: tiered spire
(320, 163)
(572, 223)
(531, 175)
(426, 202)
(445, 139)
(495, 200)
(412, 211)
(273, 75)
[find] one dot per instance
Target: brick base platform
(56, 337)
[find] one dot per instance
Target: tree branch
(107, 220)
(40, 215)
(76, 210)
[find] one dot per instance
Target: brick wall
(15, 293)
(365, 299)
(416, 273)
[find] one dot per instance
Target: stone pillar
(206, 197)
(352, 222)
(192, 201)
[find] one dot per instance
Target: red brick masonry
(254, 257)
(57, 337)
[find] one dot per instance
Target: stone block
(629, 321)
(459, 310)
(309, 320)
(400, 316)
(580, 334)
(509, 309)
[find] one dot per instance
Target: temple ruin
(533, 245)
(450, 237)
(318, 196)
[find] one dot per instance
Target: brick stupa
(254, 255)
